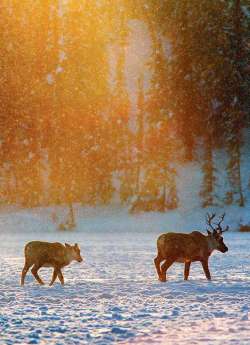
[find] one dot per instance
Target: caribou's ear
(67, 245)
(76, 245)
(209, 232)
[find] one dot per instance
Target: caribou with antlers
(188, 248)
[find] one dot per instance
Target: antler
(221, 220)
(226, 229)
(209, 219)
(219, 224)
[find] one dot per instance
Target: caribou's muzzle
(224, 249)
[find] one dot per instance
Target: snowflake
(59, 69)
(50, 79)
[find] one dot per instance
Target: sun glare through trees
(104, 98)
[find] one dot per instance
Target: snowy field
(114, 295)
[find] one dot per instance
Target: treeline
(69, 134)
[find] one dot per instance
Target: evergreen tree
(236, 117)
(22, 85)
(161, 140)
(81, 92)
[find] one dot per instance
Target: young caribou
(187, 248)
(45, 254)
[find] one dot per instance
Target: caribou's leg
(24, 271)
(164, 269)
(54, 276)
(34, 271)
(157, 262)
(186, 270)
(206, 269)
(60, 276)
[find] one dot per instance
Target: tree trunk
(140, 135)
(208, 173)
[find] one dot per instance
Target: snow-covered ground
(114, 296)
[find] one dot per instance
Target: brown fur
(45, 254)
(186, 248)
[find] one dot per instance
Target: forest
(70, 131)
